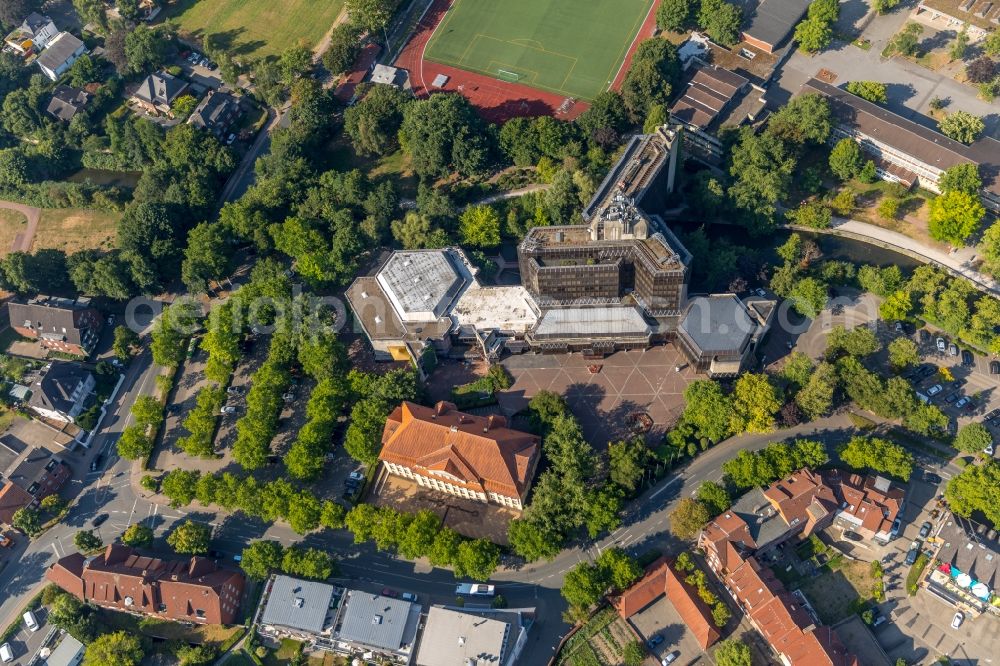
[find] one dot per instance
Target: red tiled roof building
(194, 590)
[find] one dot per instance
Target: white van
(6, 653)
(30, 621)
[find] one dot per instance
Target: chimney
(440, 408)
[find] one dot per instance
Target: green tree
(808, 296)
(977, 488)
(634, 653)
(480, 226)
(858, 342)
(761, 166)
(897, 306)
(954, 216)
(708, 409)
(715, 498)
(973, 438)
(733, 652)
(260, 558)
(962, 126)
(371, 15)
(813, 35)
(190, 538)
(86, 541)
(816, 397)
(688, 518)
(991, 45)
(477, 559)
(805, 119)
(206, 257)
(343, 49)
(294, 62)
(183, 106)
(873, 91)
(125, 341)
(674, 15)
(584, 585)
(307, 563)
(627, 461)
(137, 535)
(958, 48)
(755, 402)
(845, 159)
(373, 123)
(906, 40)
(902, 353)
(196, 655)
(119, 648)
(651, 77)
(884, 6)
(531, 540)
(812, 214)
(878, 454)
(961, 178)
(720, 21)
(27, 521)
(134, 444)
(145, 49)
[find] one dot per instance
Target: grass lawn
(839, 591)
(288, 650)
(567, 47)
(11, 224)
(394, 167)
(72, 229)
(171, 631)
(257, 27)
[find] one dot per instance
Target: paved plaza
(605, 394)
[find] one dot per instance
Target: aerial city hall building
(618, 281)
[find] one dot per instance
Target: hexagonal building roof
(422, 284)
(718, 323)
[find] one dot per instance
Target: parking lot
(26, 643)
(661, 622)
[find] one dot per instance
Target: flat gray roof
(422, 284)
(453, 638)
(298, 604)
(69, 652)
(379, 622)
(773, 20)
(765, 524)
(592, 322)
(718, 323)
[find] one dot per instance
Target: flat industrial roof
(774, 20)
(69, 652)
(452, 638)
(379, 622)
(718, 323)
(500, 308)
(422, 283)
(298, 604)
(592, 322)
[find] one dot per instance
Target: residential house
(185, 590)
(66, 102)
(60, 55)
(868, 504)
(381, 626)
(905, 151)
(62, 392)
(59, 324)
(661, 579)
(30, 475)
(295, 608)
(158, 91)
(453, 637)
(216, 113)
(473, 457)
(32, 36)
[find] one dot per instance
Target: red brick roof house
(661, 579)
(34, 475)
(868, 503)
(194, 590)
(12, 498)
(474, 457)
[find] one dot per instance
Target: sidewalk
(959, 262)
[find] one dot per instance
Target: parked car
(230, 139)
(235, 390)
(925, 530)
(968, 358)
(963, 402)
(924, 335)
(228, 409)
(670, 658)
(192, 348)
(995, 367)
(956, 621)
(408, 596)
(953, 349)
(931, 477)
(100, 519)
(5, 540)
(288, 397)
(386, 592)
(30, 621)
(934, 390)
(912, 553)
(654, 641)
(992, 415)
(853, 536)
(96, 462)
(958, 383)
(952, 397)
(898, 327)
(989, 449)
(111, 320)
(6, 653)
(896, 525)
(942, 344)
(357, 476)
(927, 369)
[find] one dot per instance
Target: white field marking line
(638, 32)
(423, 51)
(668, 484)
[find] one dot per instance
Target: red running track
(495, 100)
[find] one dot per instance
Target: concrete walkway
(22, 242)
(960, 262)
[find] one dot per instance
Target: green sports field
(569, 47)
